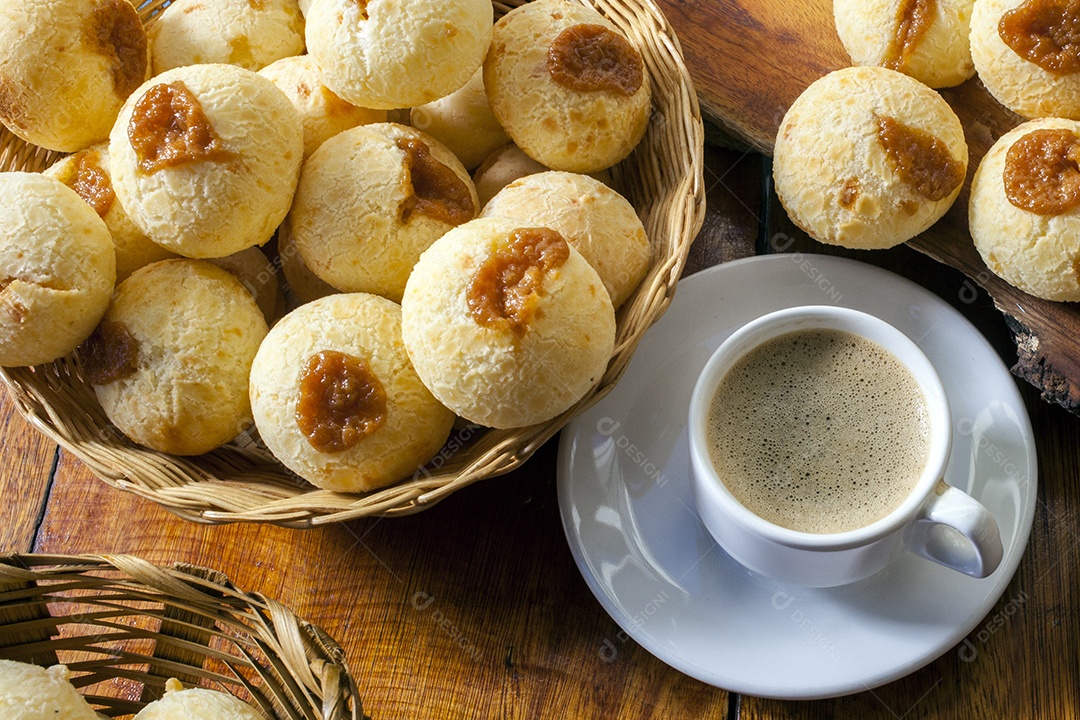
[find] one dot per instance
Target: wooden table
(475, 609)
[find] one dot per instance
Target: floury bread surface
(506, 347)
(322, 112)
(463, 121)
(367, 206)
(170, 361)
(238, 32)
(30, 692)
(230, 184)
(836, 175)
(929, 45)
(1038, 252)
(66, 68)
(259, 277)
(304, 284)
(592, 217)
(562, 127)
(367, 330)
(87, 173)
(501, 168)
(388, 54)
(197, 704)
(58, 269)
(1018, 83)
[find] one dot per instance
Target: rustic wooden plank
(733, 201)
(24, 477)
(750, 59)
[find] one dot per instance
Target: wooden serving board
(750, 60)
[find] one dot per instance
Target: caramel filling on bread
(591, 58)
(87, 178)
(849, 193)
(362, 6)
(110, 353)
(341, 401)
(432, 188)
(169, 128)
(921, 160)
(913, 19)
(1045, 32)
(1042, 172)
(115, 31)
(505, 290)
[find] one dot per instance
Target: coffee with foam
(820, 431)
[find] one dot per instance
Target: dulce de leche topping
(913, 19)
(341, 401)
(87, 178)
(169, 128)
(110, 353)
(432, 188)
(1042, 174)
(505, 289)
(115, 31)
(921, 160)
(1045, 32)
(589, 58)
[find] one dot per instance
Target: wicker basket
(240, 482)
(123, 627)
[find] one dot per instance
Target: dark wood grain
(24, 477)
(733, 194)
(750, 59)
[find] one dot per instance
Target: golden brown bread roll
(868, 158)
(238, 32)
(567, 86)
(370, 200)
(87, 173)
(336, 399)
(1024, 211)
(66, 68)
(205, 159)
(463, 122)
(57, 269)
(388, 54)
(1025, 58)
(170, 361)
(926, 40)
(599, 222)
(30, 692)
(507, 324)
(322, 113)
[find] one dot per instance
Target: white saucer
(627, 509)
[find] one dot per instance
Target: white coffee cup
(936, 521)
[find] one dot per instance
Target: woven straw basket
(241, 482)
(123, 627)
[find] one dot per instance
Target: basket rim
(311, 663)
(192, 489)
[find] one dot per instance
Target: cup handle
(955, 530)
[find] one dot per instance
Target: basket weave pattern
(124, 626)
(662, 179)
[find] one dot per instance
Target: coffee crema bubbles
(819, 431)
